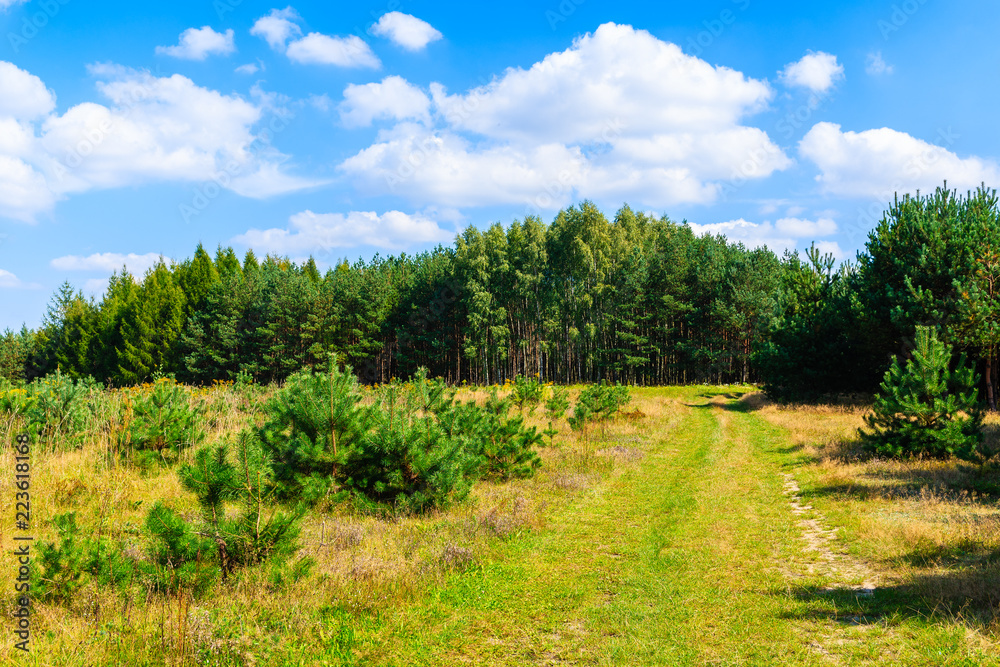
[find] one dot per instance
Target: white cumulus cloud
(199, 43)
(24, 192)
(880, 162)
(407, 31)
(278, 27)
(150, 129)
(801, 228)
(310, 232)
(815, 71)
(154, 129)
(24, 96)
(8, 279)
(620, 114)
(268, 180)
(445, 169)
(108, 262)
(318, 49)
(784, 234)
(392, 99)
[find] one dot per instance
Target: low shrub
(528, 393)
(927, 407)
(74, 560)
(158, 424)
(414, 448)
(56, 411)
(599, 403)
(556, 406)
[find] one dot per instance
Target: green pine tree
(151, 326)
(227, 264)
(926, 408)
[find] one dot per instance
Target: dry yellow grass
(363, 563)
(920, 523)
(915, 523)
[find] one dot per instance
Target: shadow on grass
(961, 555)
(735, 403)
(911, 482)
(970, 593)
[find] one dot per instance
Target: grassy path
(690, 556)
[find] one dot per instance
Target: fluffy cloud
(877, 163)
(151, 129)
(278, 27)
(800, 228)
(199, 43)
(394, 99)
(155, 129)
(445, 169)
(816, 71)
(249, 68)
(319, 49)
(23, 191)
(407, 31)
(310, 232)
(876, 65)
(618, 72)
(268, 180)
(785, 234)
(6, 4)
(8, 279)
(108, 262)
(831, 248)
(24, 97)
(315, 48)
(620, 113)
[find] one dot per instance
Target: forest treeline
(636, 299)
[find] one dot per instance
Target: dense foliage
(413, 446)
(926, 408)
(636, 300)
(159, 423)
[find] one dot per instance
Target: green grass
(680, 549)
(681, 559)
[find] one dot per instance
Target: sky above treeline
(130, 131)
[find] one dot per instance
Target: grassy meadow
(704, 526)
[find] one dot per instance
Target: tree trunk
(990, 396)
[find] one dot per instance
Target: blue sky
(134, 130)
